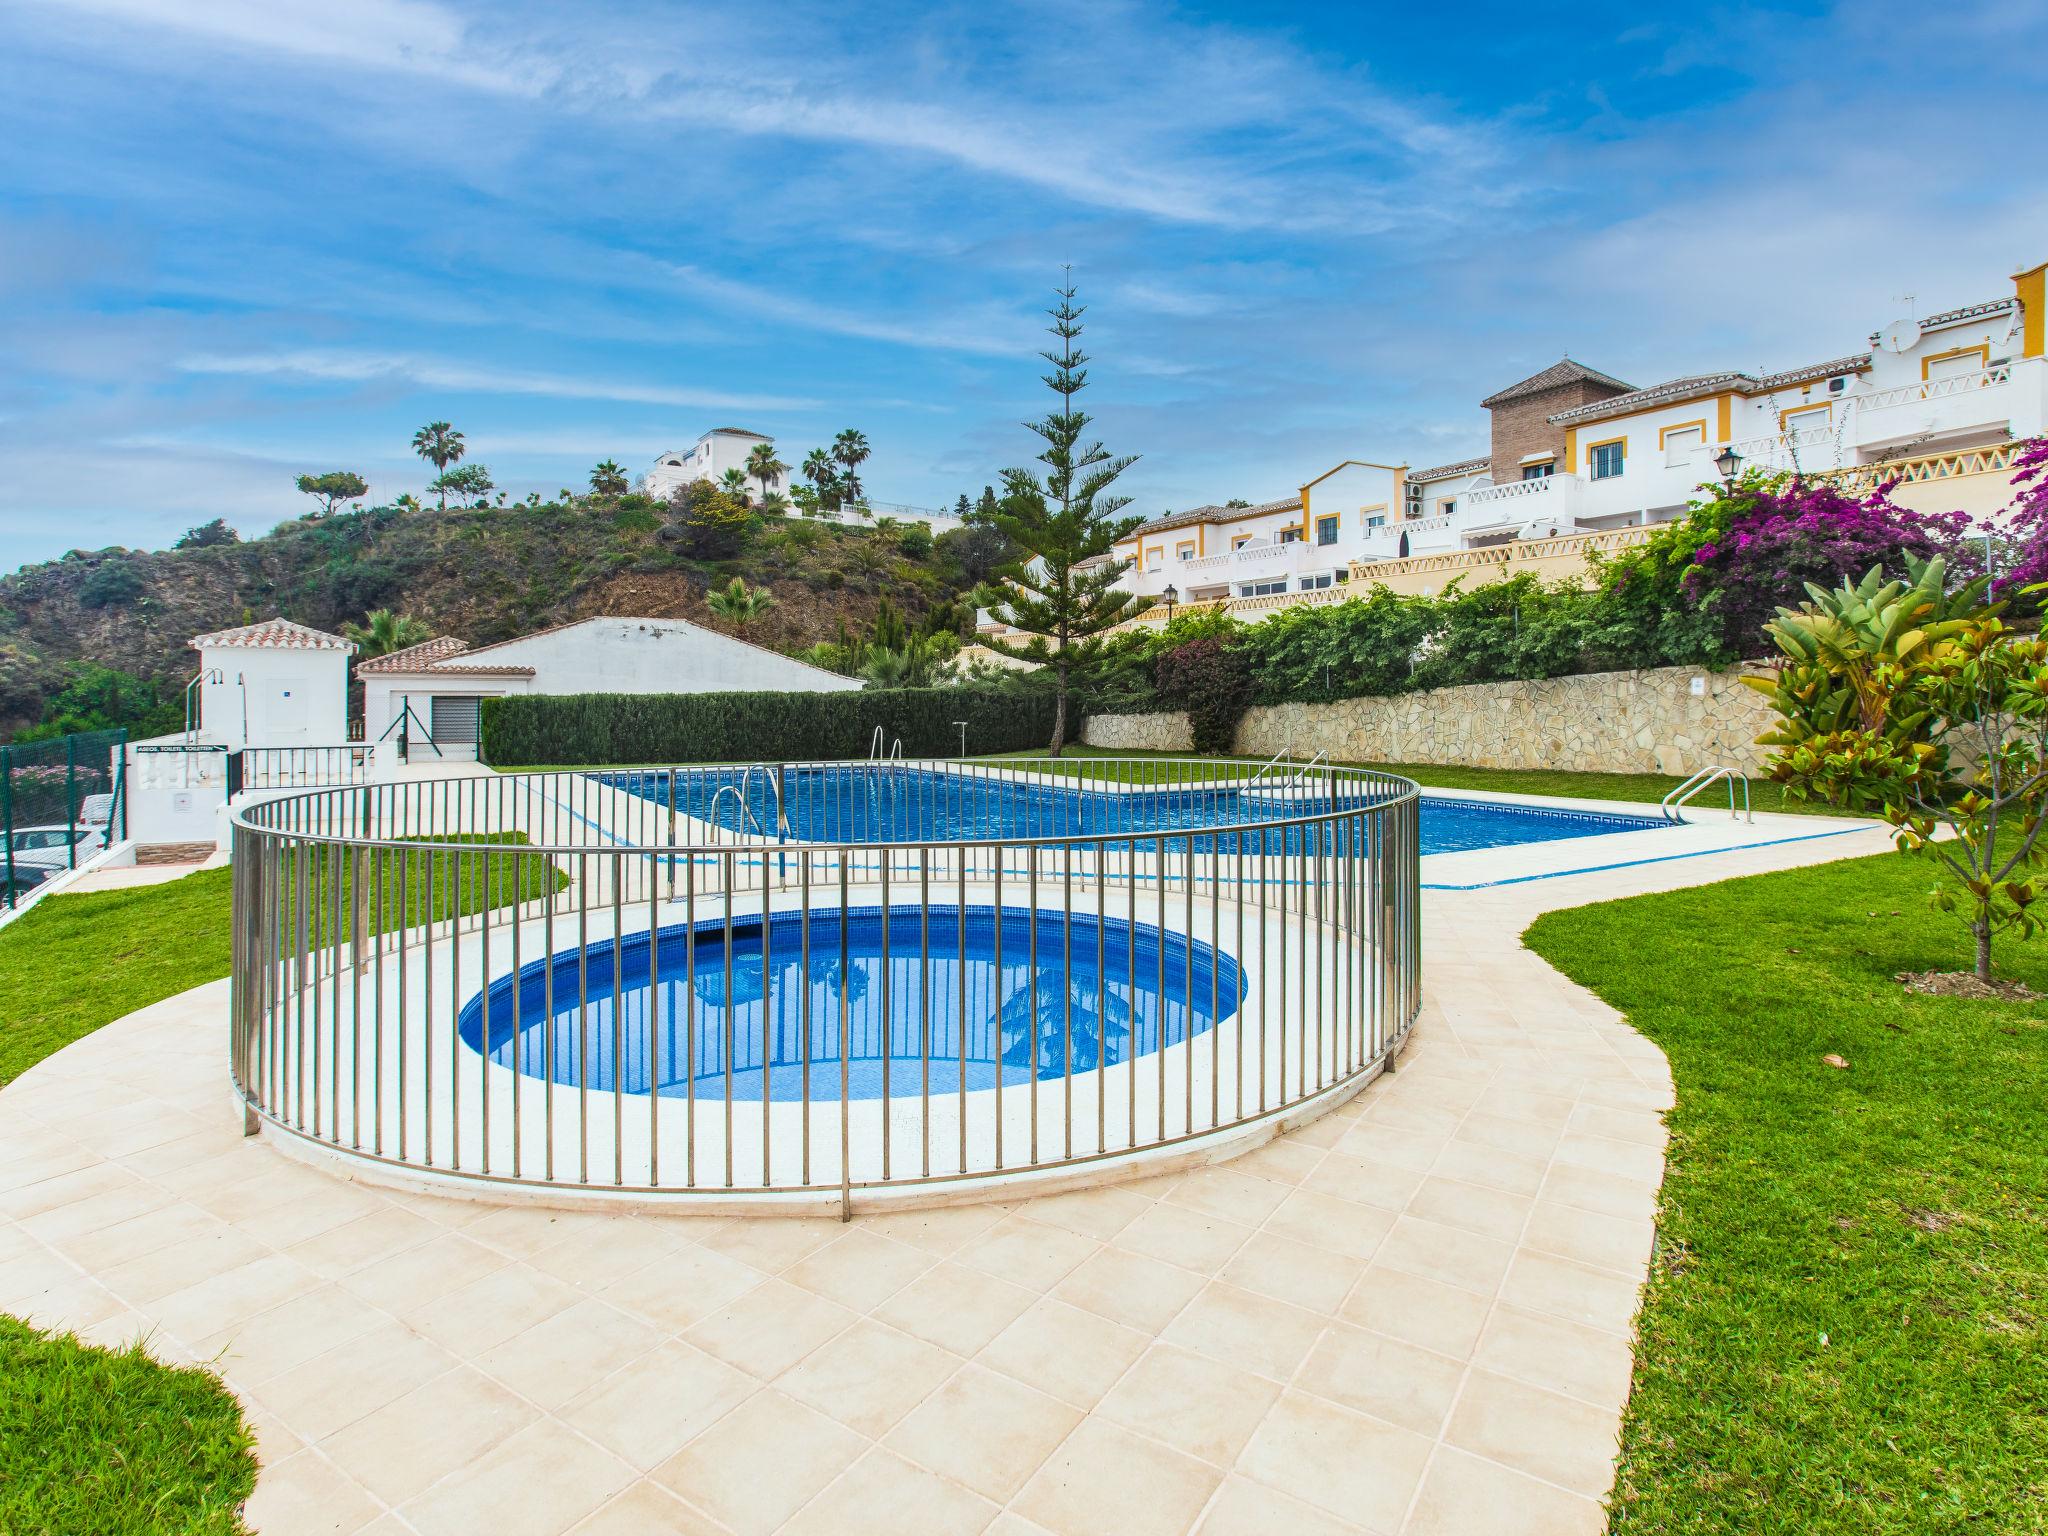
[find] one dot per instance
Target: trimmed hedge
(601, 729)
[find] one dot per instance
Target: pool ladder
(1672, 806)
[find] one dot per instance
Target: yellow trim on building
(1724, 419)
(1664, 433)
(1806, 408)
(1201, 539)
(1239, 540)
(1982, 352)
(1606, 442)
(2031, 288)
(1571, 450)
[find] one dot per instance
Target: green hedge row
(621, 728)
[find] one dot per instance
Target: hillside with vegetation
(99, 637)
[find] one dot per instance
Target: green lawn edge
(1843, 1327)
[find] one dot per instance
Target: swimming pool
(712, 1017)
(881, 803)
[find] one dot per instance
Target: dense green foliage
(1210, 678)
(96, 698)
(1843, 1333)
(612, 728)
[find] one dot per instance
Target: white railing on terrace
(1933, 389)
(1563, 546)
(1545, 485)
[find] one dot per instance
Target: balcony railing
(1545, 488)
(1934, 389)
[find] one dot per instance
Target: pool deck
(1410, 1317)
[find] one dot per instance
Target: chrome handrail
(1672, 806)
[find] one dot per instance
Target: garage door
(454, 721)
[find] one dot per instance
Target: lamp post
(1172, 596)
(1729, 463)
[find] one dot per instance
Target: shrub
(1211, 678)
(600, 728)
(112, 585)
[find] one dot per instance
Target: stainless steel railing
(808, 982)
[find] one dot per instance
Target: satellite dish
(1899, 336)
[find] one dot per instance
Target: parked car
(48, 849)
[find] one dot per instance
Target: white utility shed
(441, 683)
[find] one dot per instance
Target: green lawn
(97, 1442)
(1844, 1325)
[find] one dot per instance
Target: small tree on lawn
(1063, 589)
(608, 479)
(466, 482)
(762, 465)
(333, 489)
(1920, 705)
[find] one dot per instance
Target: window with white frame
(1541, 471)
(1447, 506)
(1812, 418)
(1375, 519)
(1681, 443)
(1318, 581)
(1154, 559)
(1290, 535)
(1606, 460)
(1326, 529)
(1260, 588)
(1186, 549)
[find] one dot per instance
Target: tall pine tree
(1062, 589)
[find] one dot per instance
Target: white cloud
(427, 373)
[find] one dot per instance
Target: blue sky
(242, 239)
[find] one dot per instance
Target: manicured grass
(1844, 1328)
(1648, 788)
(98, 1442)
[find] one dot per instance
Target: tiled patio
(1411, 1317)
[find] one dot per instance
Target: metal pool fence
(802, 983)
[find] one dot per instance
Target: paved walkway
(1411, 1317)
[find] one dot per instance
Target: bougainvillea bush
(2027, 525)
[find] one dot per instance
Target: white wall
(708, 459)
(274, 697)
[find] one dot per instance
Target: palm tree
(823, 475)
(440, 445)
(608, 479)
(734, 481)
(383, 632)
(850, 451)
(775, 504)
(739, 604)
(765, 467)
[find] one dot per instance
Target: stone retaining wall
(1614, 722)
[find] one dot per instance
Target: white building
(718, 450)
(274, 684)
(1936, 402)
(430, 694)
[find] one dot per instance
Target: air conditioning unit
(1836, 386)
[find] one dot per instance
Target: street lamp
(1172, 597)
(1729, 463)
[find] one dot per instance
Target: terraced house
(1582, 460)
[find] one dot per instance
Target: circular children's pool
(933, 1001)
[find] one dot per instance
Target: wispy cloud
(427, 373)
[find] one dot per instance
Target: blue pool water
(1089, 991)
(861, 804)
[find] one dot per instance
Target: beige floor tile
(985, 1430)
(653, 1406)
(1463, 1494)
(1605, 1242)
(1504, 1135)
(1103, 1478)
(869, 1376)
(1314, 1279)
(411, 1443)
(1390, 1380)
(1346, 1464)
(488, 1311)
(1129, 1288)
(1027, 1252)
(332, 1390)
(289, 1334)
(1550, 1352)
(1220, 1191)
(1575, 1292)
(1510, 1172)
(955, 1307)
(1591, 1190)
(1284, 1159)
(1065, 1352)
(1193, 1240)
(539, 1482)
(1472, 1207)
(307, 1495)
(1543, 1434)
(424, 1273)
(1195, 1404)
(884, 1495)
(1345, 1227)
(568, 1353)
(942, 1230)
(1097, 1213)
(861, 1270)
(761, 1463)
(1448, 1254)
(682, 1288)
(647, 1509)
(155, 1275)
(774, 1244)
(770, 1328)
(1245, 1508)
(364, 1241)
(233, 1296)
(1240, 1328)
(1386, 1185)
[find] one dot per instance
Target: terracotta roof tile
(278, 634)
(1556, 376)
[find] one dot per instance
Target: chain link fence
(60, 803)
